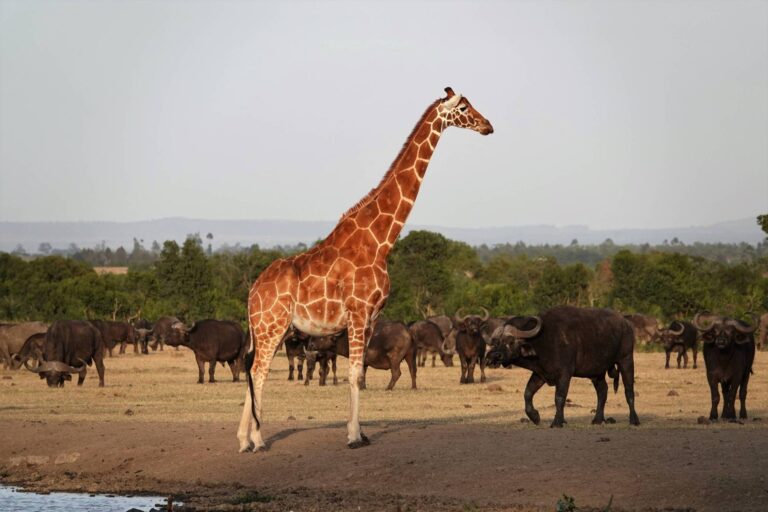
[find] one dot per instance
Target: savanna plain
(444, 446)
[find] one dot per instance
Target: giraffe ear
(449, 92)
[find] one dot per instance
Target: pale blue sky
(609, 114)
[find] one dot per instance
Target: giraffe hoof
(247, 448)
(359, 444)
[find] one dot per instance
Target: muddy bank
(413, 466)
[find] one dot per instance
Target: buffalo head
(55, 372)
(178, 335)
(471, 324)
(723, 331)
(670, 336)
(513, 341)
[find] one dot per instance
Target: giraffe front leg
(358, 331)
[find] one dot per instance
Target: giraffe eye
(462, 108)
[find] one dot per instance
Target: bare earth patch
(441, 447)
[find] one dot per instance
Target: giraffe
(342, 282)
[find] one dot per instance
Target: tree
(762, 221)
(44, 248)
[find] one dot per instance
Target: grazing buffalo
(470, 345)
(33, 349)
(566, 342)
(212, 341)
(646, 327)
(428, 338)
(162, 332)
(70, 347)
(679, 337)
(116, 332)
(295, 343)
(729, 351)
(12, 338)
(761, 341)
(390, 344)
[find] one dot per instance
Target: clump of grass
(245, 497)
(566, 504)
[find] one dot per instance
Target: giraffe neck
(385, 209)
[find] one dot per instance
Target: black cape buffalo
(390, 344)
(161, 331)
(729, 352)
(13, 336)
(470, 345)
(116, 332)
(212, 341)
(679, 337)
(566, 342)
(69, 346)
(429, 338)
(295, 343)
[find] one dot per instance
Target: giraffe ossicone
(342, 282)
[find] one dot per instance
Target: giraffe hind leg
(265, 341)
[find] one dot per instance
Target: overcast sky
(610, 114)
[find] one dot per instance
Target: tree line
(430, 274)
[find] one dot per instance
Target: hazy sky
(611, 114)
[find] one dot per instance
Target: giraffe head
(456, 110)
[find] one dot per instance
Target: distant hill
(268, 233)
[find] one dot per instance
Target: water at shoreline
(14, 500)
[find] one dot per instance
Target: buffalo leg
(422, 357)
(561, 394)
(601, 389)
(136, 347)
(200, 369)
(410, 360)
(482, 366)
(394, 367)
(471, 369)
(98, 361)
(666, 366)
(211, 371)
(627, 370)
(464, 365)
(434, 355)
(743, 396)
(234, 367)
(729, 395)
(322, 370)
(362, 384)
(301, 358)
(534, 384)
(333, 366)
(715, 394)
(290, 367)
(81, 377)
(695, 353)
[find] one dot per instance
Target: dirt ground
(445, 446)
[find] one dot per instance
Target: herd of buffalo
(560, 343)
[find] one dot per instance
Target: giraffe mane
(366, 199)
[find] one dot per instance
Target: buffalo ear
(461, 326)
(526, 350)
(41, 375)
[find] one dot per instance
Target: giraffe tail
(249, 358)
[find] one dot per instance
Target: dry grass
(162, 387)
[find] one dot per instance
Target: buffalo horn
(530, 333)
(486, 314)
(41, 367)
(678, 332)
(458, 318)
(739, 326)
(697, 321)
